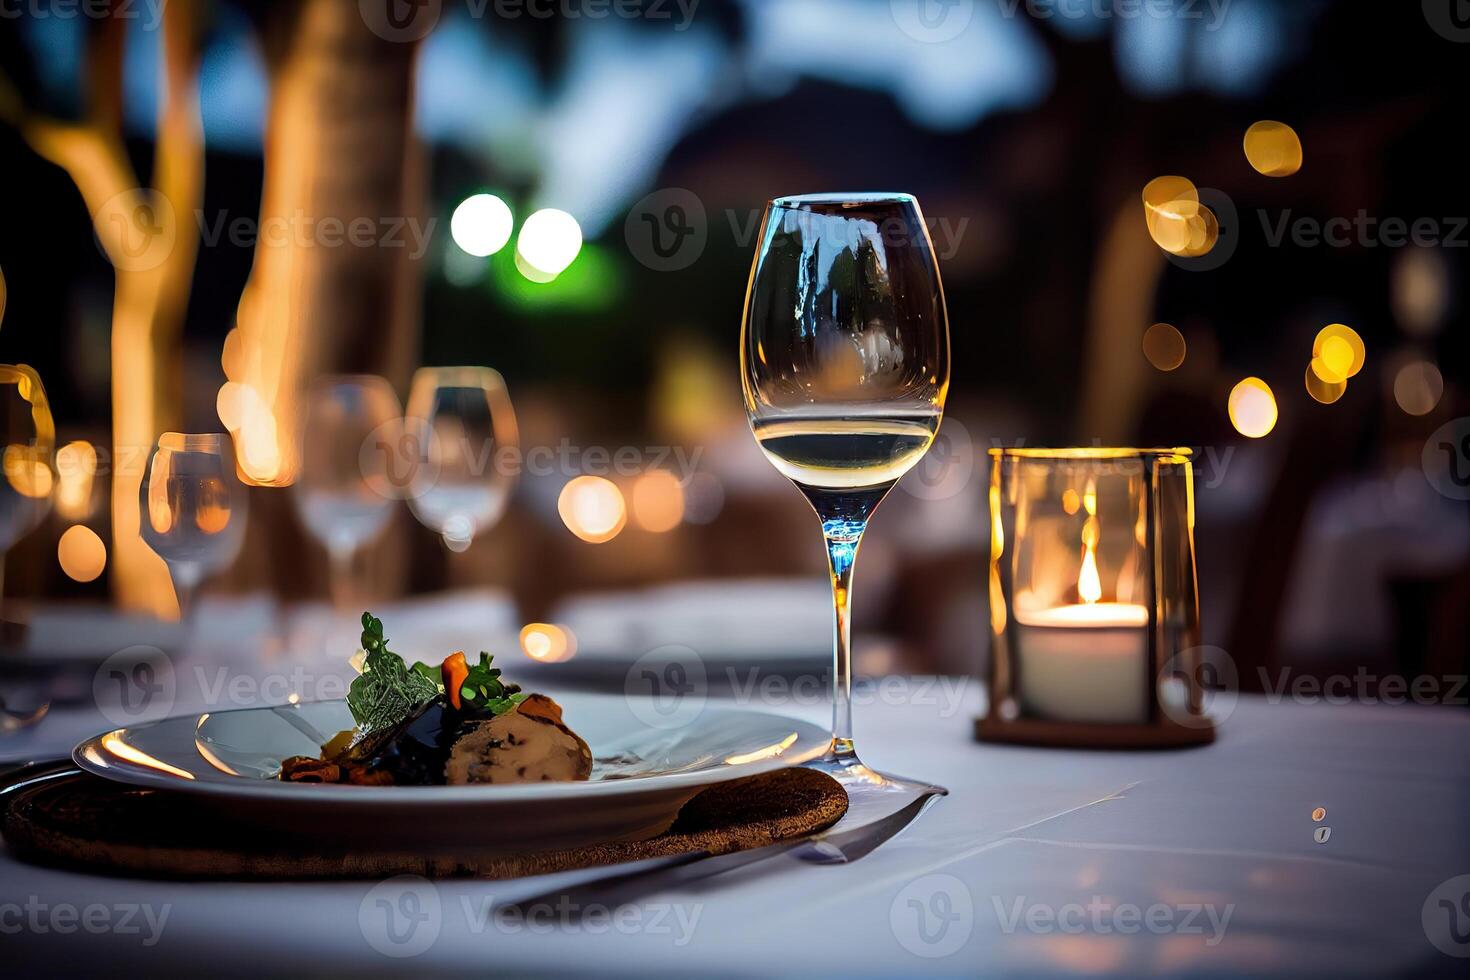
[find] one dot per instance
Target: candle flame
(1089, 585)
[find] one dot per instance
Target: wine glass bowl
(29, 436)
(343, 494)
(193, 507)
(467, 422)
(845, 367)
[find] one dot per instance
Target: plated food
(455, 724)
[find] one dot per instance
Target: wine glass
(193, 508)
(343, 493)
(844, 356)
(29, 436)
(468, 427)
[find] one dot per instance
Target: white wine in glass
(845, 366)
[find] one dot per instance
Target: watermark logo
(1203, 678)
(676, 921)
(932, 21)
(148, 12)
(945, 470)
(39, 918)
(1211, 12)
(134, 685)
(1449, 18)
(1446, 459)
(933, 917)
(1103, 917)
(137, 229)
(395, 459)
(1446, 917)
(400, 21)
(401, 917)
(1363, 231)
(666, 687)
(667, 230)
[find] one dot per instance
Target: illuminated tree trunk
(333, 287)
(149, 236)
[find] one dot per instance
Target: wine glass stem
(339, 576)
(843, 538)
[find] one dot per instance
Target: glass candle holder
(1093, 605)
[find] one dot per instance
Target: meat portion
(528, 745)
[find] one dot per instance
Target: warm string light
(76, 470)
(592, 508)
(1252, 408)
(81, 553)
(1273, 148)
(548, 643)
(1177, 221)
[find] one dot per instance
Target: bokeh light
(76, 467)
(1177, 221)
(481, 225)
(1331, 356)
(1164, 346)
(1253, 408)
(1273, 148)
(1417, 387)
(548, 643)
(2, 295)
(1421, 291)
(592, 508)
(704, 498)
(1326, 392)
(549, 241)
(81, 553)
(27, 472)
(658, 501)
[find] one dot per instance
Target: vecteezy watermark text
(148, 12)
(37, 917)
(1211, 12)
(1100, 916)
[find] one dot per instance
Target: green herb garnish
(387, 690)
(483, 690)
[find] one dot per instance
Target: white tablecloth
(1037, 863)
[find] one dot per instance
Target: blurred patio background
(1028, 133)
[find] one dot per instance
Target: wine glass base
(842, 763)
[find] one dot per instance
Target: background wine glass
(29, 436)
(193, 508)
(465, 417)
(343, 494)
(845, 365)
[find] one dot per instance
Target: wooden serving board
(61, 816)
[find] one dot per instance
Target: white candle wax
(1085, 663)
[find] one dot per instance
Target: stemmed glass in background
(465, 417)
(844, 357)
(193, 508)
(29, 436)
(343, 493)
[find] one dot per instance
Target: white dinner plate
(646, 764)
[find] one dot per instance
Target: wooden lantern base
(1072, 735)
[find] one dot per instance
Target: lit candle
(1085, 662)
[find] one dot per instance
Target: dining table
(1310, 839)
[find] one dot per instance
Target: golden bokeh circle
(1273, 148)
(1252, 408)
(1326, 392)
(81, 553)
(1164, 346)
(1349, 336)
